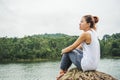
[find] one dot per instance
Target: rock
(75, 74)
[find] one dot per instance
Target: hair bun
(96, 19)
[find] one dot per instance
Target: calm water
(49, 70)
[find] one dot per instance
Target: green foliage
(48, 46)
(110, 45)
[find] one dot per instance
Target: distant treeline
(110, 45)
(48, 46)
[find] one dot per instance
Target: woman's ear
(88, 24)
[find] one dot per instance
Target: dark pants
(74, 57)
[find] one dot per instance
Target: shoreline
(41, 60)
(27, 60)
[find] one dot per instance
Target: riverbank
(41, 60)
(27, 60)
(111, 57)
(23, 60)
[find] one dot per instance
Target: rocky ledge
(75, 74)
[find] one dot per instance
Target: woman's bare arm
(80, 39)
(79, 47)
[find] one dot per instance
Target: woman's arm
(79, 47)
(80, 39)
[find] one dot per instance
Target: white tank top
(91, 53)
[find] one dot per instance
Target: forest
(48, 46)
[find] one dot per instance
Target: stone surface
(75, 74)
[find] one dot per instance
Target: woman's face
(83, 24)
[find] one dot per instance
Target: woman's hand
(62, 51)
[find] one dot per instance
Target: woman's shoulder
(86, 36)
(87, 33)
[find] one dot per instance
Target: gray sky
(27, 17)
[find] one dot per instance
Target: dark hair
(91, 19)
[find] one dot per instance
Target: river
(48, 70)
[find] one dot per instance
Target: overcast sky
(28, 17)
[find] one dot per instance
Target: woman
(84, 53)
